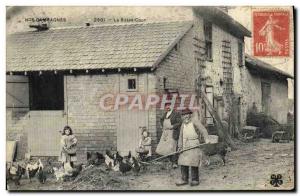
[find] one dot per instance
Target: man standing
(170, 122)
(192, 133)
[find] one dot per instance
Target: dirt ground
(248, 168)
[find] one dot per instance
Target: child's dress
(145, 143)
(66, 141)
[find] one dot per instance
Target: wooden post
(219, 124)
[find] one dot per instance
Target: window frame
(136, 86)
(208, 31)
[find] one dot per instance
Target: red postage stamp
(271, 33)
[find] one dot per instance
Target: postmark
(271, 33)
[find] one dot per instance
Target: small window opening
(131, 84)
(208, 39)
(165, 82)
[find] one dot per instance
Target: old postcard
(150, 98)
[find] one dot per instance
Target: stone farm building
(270, 86)
(56, 77)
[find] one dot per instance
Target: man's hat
(186, 111)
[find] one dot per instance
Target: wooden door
(266, 97)
(43, 132)
(129, 135)
(17, 92)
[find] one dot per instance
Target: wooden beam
(217, 118)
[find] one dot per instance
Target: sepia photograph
(150, 98)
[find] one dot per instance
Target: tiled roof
(131, 45)
(262, 67)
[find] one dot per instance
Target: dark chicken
(125, 165)
(136, 167)
(76, 170)
(117, 158)
(95, 158)
(15, 173)
(42, 175)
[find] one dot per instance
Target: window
(131, 84)
(240, 53)
(177, 47)
(165, 82)
(46, 92)
(208, 40)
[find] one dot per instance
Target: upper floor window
(131, 84)
(208, 39)
(240, 54)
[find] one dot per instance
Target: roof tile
(94, 47)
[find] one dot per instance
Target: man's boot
(195, 176)
(184, 176)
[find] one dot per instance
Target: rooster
(32, 169)
(128, 156)
(117, 158)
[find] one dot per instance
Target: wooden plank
(10, 150)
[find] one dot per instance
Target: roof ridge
(274, 68)
(136, 46)
(109, 25)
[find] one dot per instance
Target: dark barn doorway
(46, 92)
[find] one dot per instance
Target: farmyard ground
(248, 168)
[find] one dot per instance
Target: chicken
(95, 158)
(117, 158)
(128, 156)
(42, 175)
(136, 167)
(124, 167)
(48, 168)
(14, 173)
(76, 170)
(109, 160)
(124, 164)
(58, 173)
(73, 173)
(32, 169)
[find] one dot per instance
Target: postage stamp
(271, 33)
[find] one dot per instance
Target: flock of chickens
(115, 161)
(112, 161)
